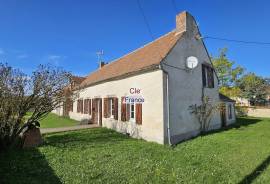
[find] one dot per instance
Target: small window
(112, 107)
(230, 111)
(132, 111)
(208, 76)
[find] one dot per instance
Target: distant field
(238, 155)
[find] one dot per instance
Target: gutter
(168, 105)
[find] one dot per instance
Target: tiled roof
(77, 79)
(144, 57)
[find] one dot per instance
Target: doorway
(223, 115)
(97, 111)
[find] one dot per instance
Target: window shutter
(71, 106)
(212, 78)
(89, 106)
(209, 81)
(78, 110)
(82, 106)
(93, 109)
(105, 108)
(203, 76)
(128, 112)
(123, 110)
(115, 101)
(85, 106)
(139, 114)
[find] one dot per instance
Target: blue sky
(68, 33)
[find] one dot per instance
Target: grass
(240, 154)
(55, 121)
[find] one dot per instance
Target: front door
(97, 111)
(223, 116)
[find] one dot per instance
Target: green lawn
(54, 121)
(238, 155)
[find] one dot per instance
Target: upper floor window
(208, 76)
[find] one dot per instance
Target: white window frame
(130, 112)
(111, 107)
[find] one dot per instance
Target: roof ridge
(149, 54)
(139, 48)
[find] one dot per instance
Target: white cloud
(55, 59)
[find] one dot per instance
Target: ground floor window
(230, 111)
(131, 112)
(111, 108)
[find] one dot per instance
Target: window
(207, 76)
(230, 111)
(111, 107)
(132, 112)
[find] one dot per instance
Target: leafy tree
(253, 88)
(44, 91)
(227, 73)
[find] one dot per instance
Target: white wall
(185, 88)
(152, 109)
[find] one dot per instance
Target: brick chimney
(101, 64)
(185, 23)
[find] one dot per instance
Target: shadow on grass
(256, 172)
(240, 123)
(97, 137)
(26, 166)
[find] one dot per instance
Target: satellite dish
(192, 62)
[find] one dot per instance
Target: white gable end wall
(185, 88)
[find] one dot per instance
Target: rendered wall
(185, 88)
(152, 109)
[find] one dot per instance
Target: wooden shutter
(94, 101)
(85, 107)
(209, 78)
(123, 110)
(139, 114)
(115, 101)
(212, 78)
(89, 106)
(106, 114)
(71, 106)
(81, 109)
(78, 106)
(128, 112)
(203, 76)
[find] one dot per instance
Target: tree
(253, 87)
(204, 112)
(227, 73)
(20, 94)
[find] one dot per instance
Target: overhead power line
(145, 19)
(236, 41)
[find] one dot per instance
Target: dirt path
(65, 129)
